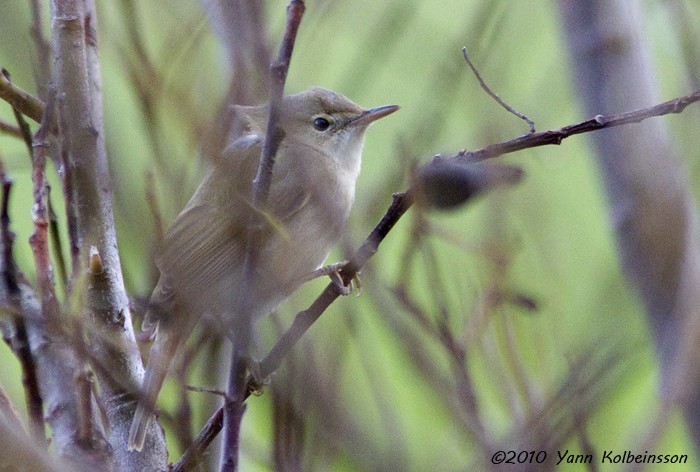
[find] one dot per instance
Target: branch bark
(106, 310)
(15, 331)
(237, 385)
(21, 100)
(49, 355)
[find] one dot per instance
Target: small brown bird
(201, 261)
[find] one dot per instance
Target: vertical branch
(48, 357)
(39, 238)
(42, 79)
(17, 338)
(106, 309)
(237, 386)
(273, 136)
(42, 70)
(56, 243)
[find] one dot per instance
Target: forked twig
(493, 95)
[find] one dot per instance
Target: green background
(548, 238)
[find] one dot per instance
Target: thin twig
(23, 126)
(493, 95)
(42, 67)
(30, 379)
(237, 385)
(21, 100)
(213, 391)
(20, 343)
(193, 454)
(56, 243)
(273, 137)
(677, 105)
(11, 130)
(39, 238)
(400, 204)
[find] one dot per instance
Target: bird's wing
(207, 240)
(198, 250)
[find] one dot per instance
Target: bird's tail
(162, 353)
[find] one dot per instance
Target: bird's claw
(258, 381)
(346, 290)
(333, 271)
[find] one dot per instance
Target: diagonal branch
(677, 105)
(21, 100)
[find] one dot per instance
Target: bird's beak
(373, 114)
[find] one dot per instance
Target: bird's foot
(258, 381)
(333, 271)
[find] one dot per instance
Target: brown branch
(39, 238)
(400, 204)
(17, 338)
(677, 105)
(22, 101)
(42, 67)
(56, 243)
(237, 386)
(76, 430)
(11, 130)
(30, 380)
(41, 337)
(273, 137)
(493, 94)
(193, 455)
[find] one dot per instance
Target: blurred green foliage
(547, 239)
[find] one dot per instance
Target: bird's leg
(325, 270)
(333, 271)
(257, 383)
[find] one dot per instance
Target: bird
(201, 259)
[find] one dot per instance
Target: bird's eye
(321, 124)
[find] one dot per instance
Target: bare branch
(493, 94)
(9, 129)
(677, 105)
(20, 344)
(42, 68)
(106, 308)
(21, 100)
(273, 137)
(237, 385)
(194, 453)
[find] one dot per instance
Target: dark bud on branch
(444, 184)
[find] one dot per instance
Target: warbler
(202, 256)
